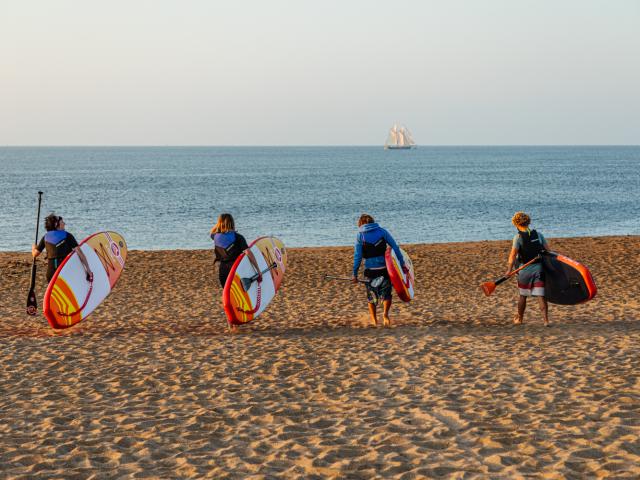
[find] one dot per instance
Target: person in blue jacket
(371, 244)
(58, 243)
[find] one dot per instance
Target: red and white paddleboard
(70, 297)
(402, 283)
(247, 294)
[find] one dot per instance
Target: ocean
(169, 197)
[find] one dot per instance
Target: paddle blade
(488, 287)
(246, 283)
(32, 303)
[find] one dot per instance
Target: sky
(301, 72)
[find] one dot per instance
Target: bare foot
(517, 320)
(233, 328)
(386, 321)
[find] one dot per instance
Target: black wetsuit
(58, 244)
(228, 247)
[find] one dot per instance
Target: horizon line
(315, 145)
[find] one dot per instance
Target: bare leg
(385, 316)
(544, 308)
(372, 313)
(522, 305)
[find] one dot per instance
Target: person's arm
(36, 250)
(544, 242)
(513, 255)
(242, 242)
(357, 259)
(72, 242)
(84, 262)
(395, 247)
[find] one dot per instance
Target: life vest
(531, 246)
(56, 245)
(371, 250)
(228, 253)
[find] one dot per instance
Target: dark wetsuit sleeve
(40, 247)
(73, 243)
(242, 243)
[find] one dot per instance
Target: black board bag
(566, 282)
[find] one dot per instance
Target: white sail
(399, 137)
(392, 138)
(408, 137)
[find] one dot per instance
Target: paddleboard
(566, 282)
(401, 282)
(244, 296)
(70, 297)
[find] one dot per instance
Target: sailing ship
(399, 139)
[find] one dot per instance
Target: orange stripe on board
(241, 300)
(65, 294)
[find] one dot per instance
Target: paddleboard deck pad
(245, 296)
(70, 296)
(566, 282)
(401, 282)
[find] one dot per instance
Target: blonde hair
(364, 219)
(224, 224)
(521, 219)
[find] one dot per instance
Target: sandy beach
(151, 386)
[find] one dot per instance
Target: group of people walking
(370, 246)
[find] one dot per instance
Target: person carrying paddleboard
(59, 244)
(371, 244)
(228, 245)
(527, 245)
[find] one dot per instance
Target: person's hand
(508, 271)
(354, 279)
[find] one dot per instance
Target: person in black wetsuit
(228, 245)
(58, 243)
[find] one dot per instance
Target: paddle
(489, 287)
(32, 303)
(346, 279)
(246, 282)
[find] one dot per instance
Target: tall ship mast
(399, 138)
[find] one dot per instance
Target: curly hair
(521, 219)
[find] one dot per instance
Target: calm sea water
(169, 197)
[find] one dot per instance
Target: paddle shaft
(513, 272)
(32, 304)
(246, 282)
(346, 279)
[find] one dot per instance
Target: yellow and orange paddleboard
(71, 296)
(254, 280)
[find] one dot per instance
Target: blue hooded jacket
(371, 233)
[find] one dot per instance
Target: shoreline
(334, 247)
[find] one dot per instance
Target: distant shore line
(335, 247)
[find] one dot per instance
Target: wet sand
(151, 386)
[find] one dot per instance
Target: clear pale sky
(279, 72)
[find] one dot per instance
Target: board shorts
(382, 291)
(531, 283)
